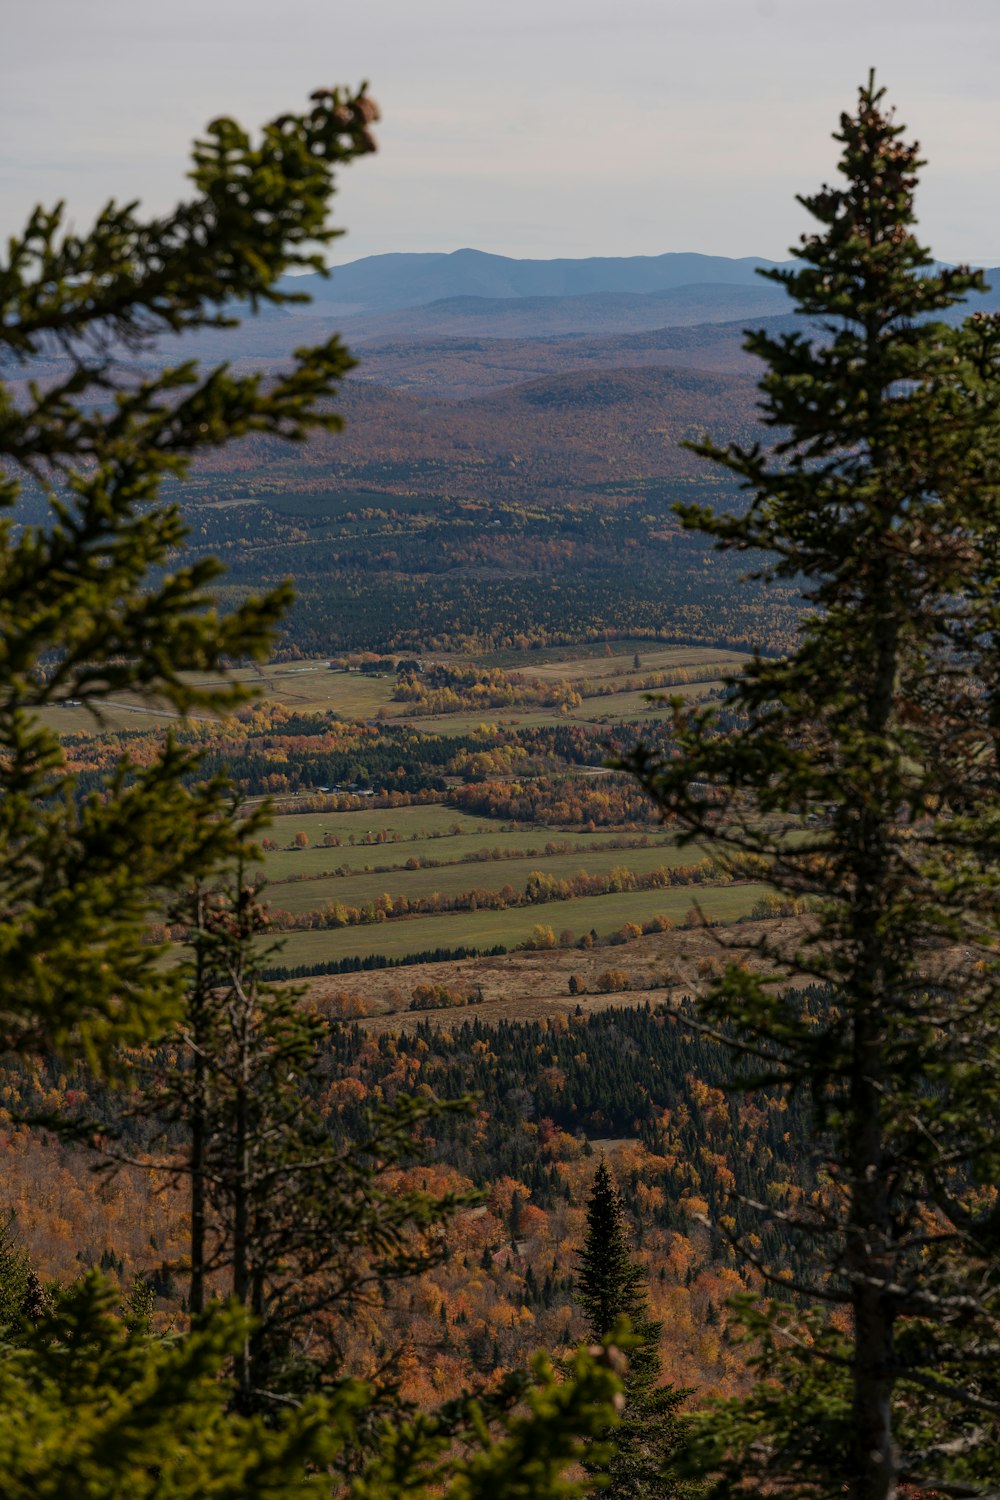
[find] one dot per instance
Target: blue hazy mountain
(586, 313)
(384, 283)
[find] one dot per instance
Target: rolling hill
(386, 282)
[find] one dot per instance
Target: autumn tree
(96, 600)
(297, 1228)
(862, 769)
(611, 1288)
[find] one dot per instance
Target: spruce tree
(96, 600)
(611, 1289)
(862, 778)
(23, 1299)
(297, 1227)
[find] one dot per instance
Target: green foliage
(863, 769)
(532, 1454)
(611, 1289)
(139, 1306)
(87, 611)
(93, 1410)
(810, 1398)
(298, 1229)
(94, 602)
(20, 1290)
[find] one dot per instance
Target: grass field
(432, 823)
(602, 914)
(614, 707)
(491, 875)
(314, 687)
(308, 686)
(334, 503)
(652, 658)
(283, 864)
(114, 717)
(614, 655)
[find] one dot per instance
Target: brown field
(653, 658)
(533, 986)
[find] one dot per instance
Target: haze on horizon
(547, 128)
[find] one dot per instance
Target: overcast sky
(524, 127)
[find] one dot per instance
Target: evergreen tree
(23, 1299)
(298, 1229)
(96, 602)
(91, 603)
(95, 1407)
(862, 778)
(611, 1289)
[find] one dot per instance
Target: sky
(531, 128)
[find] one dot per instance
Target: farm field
(470, 847)
(408, 826)
(661, 967)
(359, 886)
(484, 929)
(435, 831)
(613, 708)
(603, 708)
(622, 662)
(315, 687)
(317, 857)
(114, 718)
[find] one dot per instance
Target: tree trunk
(196, 1295)
(869, 1259)
(242, 1258)
(873, 1456)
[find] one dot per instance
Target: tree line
(872, 741)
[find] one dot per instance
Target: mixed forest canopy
(635, 1126)
(95, 1398)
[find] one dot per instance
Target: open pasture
(483, 929)
(359, 886)
(529, 986)
(589, 656)
(432, 821)
(311, 687)
(478, 835)
(114, 718)
(315, 687)
(336, 504)
(615, 708)
(620, 663)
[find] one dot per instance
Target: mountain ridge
(386, 283)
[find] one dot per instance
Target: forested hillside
(565, 797)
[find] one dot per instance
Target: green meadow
(359, 886)
(484, 929)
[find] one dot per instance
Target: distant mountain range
(589, 313)
(485, 377)
(386, 283)
(470, 294)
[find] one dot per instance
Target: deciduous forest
(498, 868)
